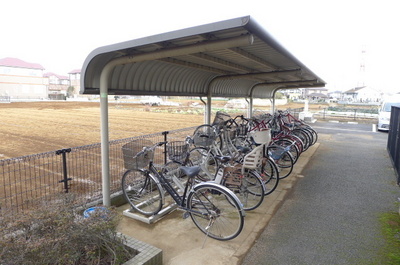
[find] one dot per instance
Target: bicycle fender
(213, 184)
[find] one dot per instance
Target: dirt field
(30, 128)
(36, 127)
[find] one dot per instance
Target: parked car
(384, 113)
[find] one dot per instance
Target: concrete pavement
(182, 242)
(332, 215)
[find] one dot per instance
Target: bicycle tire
(284, 161)
(215, 211)
(297, 140)
(250, 191)
(304, 138)
(270, 175)
(313, 134)
(309, 135)
(142, 191)
(172, 167)
(200, 156)
(294, 149)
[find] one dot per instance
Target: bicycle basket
(130, 151)
(261, 137)
(220, 119)
(233, 176)
(205, 137)
(241, 130)
(177, 150)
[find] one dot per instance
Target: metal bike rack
(150, 219)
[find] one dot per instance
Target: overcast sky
(327, 36)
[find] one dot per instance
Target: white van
(384, 113)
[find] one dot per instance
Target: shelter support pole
(205, 110)
(105, 145)
(208, 112)
(273, 104)
(250, 108)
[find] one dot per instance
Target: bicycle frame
(180, 200)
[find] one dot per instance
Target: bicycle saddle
(223, 159)
(243, 149)
(190, 171)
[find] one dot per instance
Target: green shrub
(58, 234)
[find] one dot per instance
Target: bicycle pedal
(185, 215)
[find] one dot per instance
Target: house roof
(232, 58)
(354, 90)
(14, 62)
(75, 71)
(319, 95)
(61, 77)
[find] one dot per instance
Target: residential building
(75, 81)
(314, 93)
(57, 86)
(363, 94)
(22, 80)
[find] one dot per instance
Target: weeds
(390, 223)
(58, 234)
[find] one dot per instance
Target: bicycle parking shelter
(235, 58)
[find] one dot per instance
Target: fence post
(355, 114)
(65, 172)
(165, 133)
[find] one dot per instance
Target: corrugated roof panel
(155, 77)
(185, 62)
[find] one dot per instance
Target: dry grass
(37, 127)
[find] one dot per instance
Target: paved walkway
(325, 212)
(331, 216)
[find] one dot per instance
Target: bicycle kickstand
(207, 228)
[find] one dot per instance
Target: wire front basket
(205, 136)
(220, 119)
(177, 150)
(131, 158)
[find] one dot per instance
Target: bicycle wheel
(250, 191)
(171, 169)
(270, 175)
(283, 160)
(216, 211)
(304, 138)
(299, 143)
(142, 192)
(204, 158)
(312, 133)
(293, 148)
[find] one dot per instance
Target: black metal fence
(393, 145)
(29, 180)
(348, 113)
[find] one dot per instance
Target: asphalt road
(331, 216)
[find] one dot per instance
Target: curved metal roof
(232, 58)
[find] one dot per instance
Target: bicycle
(245, 181)
(208, 147)
(213, 208)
